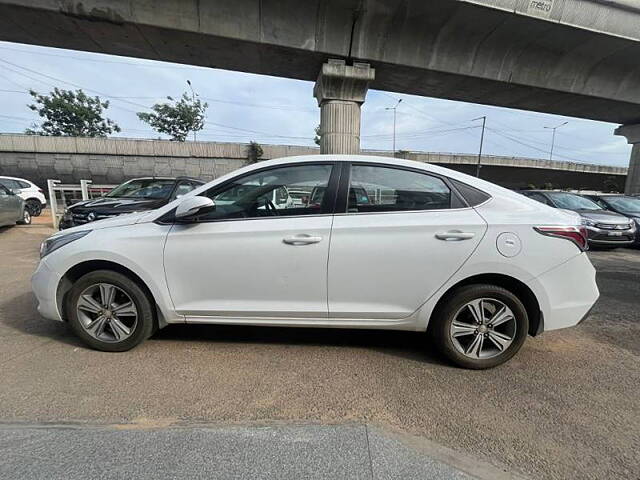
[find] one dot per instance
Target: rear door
(397, 244)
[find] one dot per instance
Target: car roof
(15, 178)
(168, 178)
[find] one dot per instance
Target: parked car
(626, 205)
(28, 191)
(478, 272)
(12, 208)
(139, 194)
(605, 228)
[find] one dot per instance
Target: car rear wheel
(34, 206)
(109, 311)
(480, 326)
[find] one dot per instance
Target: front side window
(9, 184)
(266, 194)
(388, 189)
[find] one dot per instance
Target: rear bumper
(567, 293)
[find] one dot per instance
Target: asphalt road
(565, 407)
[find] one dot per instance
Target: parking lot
(565, 407)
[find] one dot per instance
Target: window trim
(329, 195)
(345, 180)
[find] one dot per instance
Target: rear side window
(23, 184)
(472, 195)
(388, 189)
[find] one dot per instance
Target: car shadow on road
(20, 314)
(408, 345)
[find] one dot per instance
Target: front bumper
(44, 283)
(601, 236)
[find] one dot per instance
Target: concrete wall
(113, 160)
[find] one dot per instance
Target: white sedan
(390, 245)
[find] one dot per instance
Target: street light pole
(553, 138)
(394, 124)
(193, 99)
(479, 165)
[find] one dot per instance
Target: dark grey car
(604, 228)
(623, 204)
(12, 209)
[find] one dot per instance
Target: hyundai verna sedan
(604, 228)
(474, 265)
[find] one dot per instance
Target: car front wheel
(109, 311)
(26, 217)
(480, 326)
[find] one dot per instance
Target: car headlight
(53, 243)
(586, 221)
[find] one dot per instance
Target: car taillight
(40, 190)
(577, 235)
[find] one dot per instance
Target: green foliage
(69, 113)
(254, 152)
(548, 186)
(316, 139)
(176, 119)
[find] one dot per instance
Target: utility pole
(553, 138)
(479, 165)
(394, 108)
(193, 99)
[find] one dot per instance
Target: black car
(135, 195)
(604, 228)
(622, 204)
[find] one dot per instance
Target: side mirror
(193, 206)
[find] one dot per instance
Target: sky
(270, 110)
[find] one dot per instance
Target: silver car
(12, 208)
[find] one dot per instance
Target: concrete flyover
(113, 160)
(569, 57)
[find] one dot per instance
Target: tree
(176, 119)
(316, 139)
(69, 113)
(254, 152)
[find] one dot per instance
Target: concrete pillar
(632, 134)
(340, 91)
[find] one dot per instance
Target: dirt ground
(565, 407)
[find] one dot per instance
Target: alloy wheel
(107, 312)
(483, 328)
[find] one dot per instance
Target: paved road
(565, 407)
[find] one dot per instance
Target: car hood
(109, 205)
(119, 221)
(603, 216)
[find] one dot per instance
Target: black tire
(34, 206)
(440, 325)
(145, 313)
(26, 217)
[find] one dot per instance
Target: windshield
(150, 188)
(570, 201)
(624, 204)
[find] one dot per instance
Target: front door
(251, 258)
(403, 235)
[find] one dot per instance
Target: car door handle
(302, 239)
(454, 235)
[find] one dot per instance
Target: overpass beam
(632, 134)
(340, 90)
